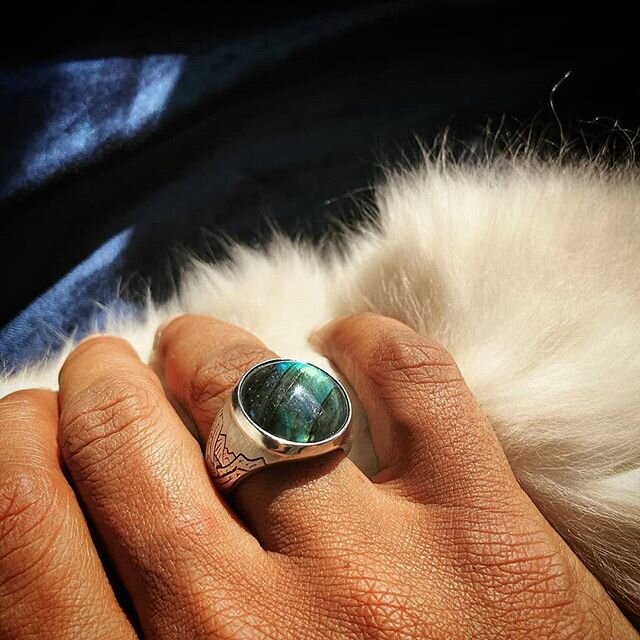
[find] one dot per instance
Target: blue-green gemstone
(294, 400)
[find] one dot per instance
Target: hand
(441, 543)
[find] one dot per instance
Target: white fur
(529, 274)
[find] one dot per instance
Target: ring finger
(293, 507)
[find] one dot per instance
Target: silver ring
(281, 410)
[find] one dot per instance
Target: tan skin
(441, 543)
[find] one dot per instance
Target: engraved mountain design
(228, 465)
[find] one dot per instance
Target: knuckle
(402, 359)
(105, 417)
(26, 496)
(207, 386)
(212, 381)
(31, 515)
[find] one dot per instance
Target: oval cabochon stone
(294, 400)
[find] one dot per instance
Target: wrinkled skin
(441, 543)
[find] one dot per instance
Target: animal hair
(527, 271)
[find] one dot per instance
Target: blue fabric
(67, 116)
(70, 302)
(94, 106)
(116, 160)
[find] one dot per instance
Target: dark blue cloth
(119, 156)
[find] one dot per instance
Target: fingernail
(163, 326)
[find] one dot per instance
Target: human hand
(441, 543)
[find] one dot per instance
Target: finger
(432, 440)
(52, 583)
(143, 480)
(298, 504)
(202, 359)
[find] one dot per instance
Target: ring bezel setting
(239, 446)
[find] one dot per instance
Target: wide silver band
(237, 447)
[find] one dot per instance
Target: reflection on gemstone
(294, 400)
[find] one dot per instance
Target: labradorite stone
(294, 400)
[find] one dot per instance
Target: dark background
(273, 114)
